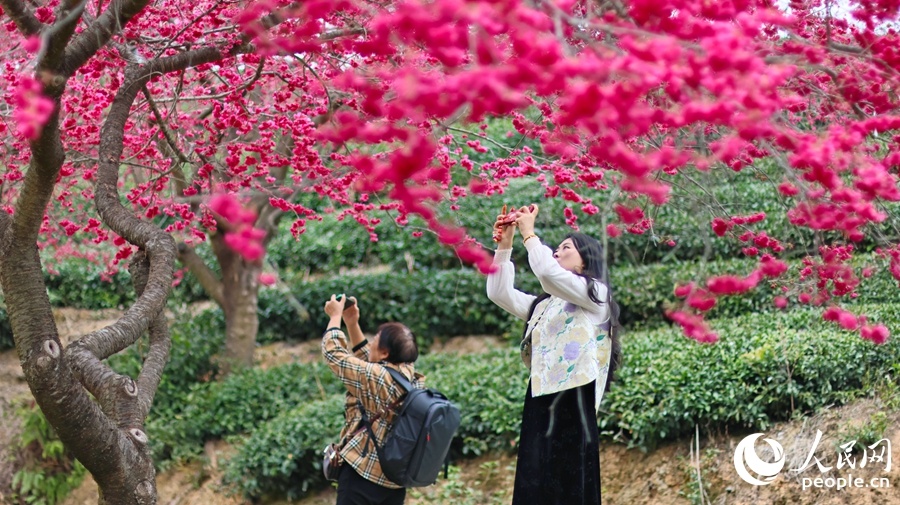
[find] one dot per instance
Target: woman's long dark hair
(595, 269)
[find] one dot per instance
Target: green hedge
(331, 245)
(434, 303)
(645, 292)
(453, 302)
(284, 456)
(489, 389)
(79, 284)
(763, 370)
(281, 455)
(449, 303)
(195, 342)
(239, 404)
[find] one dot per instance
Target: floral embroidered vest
(564, 349)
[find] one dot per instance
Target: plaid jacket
(373, 385)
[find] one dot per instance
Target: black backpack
(415, 448)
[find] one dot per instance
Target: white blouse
(569, 348)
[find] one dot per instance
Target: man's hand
(351, 313)
(335, 307)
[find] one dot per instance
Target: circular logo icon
(745, 458)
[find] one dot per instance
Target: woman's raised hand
(504, 229)
(525, 219)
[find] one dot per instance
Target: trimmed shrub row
(195, 342)
(763, 370)
(238, 404)
(453, 302)
(79, 284)
(644, 293)
(435, 303)
(282, 455)
(330, 246)
(448, 303)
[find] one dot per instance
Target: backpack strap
(367, 423)
(400, 379)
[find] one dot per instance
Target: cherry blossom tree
(636, 97)
(148, 128)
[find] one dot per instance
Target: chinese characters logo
(753, 470)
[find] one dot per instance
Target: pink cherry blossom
(32, 108)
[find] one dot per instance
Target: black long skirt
(559, 450)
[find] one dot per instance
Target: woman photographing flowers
(571, 353)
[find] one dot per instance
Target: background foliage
(770, 365)
(763, 370)
(48, 473)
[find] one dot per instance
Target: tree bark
(240, 286)
(97, 413)
(205, 275)
(22, 17)
(106, 435)
(88, 42)
(237, 291)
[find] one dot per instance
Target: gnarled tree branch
(46, 368)
(205, 276)
(22, 17)
(68, 13)
(157, 244)
(160, 343)
(87, 43)
(85, 355)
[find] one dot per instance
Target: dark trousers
(559, 450)
(355, 490)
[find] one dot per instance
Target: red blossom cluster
(694, 327)
(32, 108)
(704, 299)
(372, 107)
(877, 333)
(237, 221)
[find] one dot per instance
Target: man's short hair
(399, 342)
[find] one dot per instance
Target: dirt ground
(673, 474)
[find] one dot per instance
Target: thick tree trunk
(98, 413)
(237, 291)
(240, 288)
